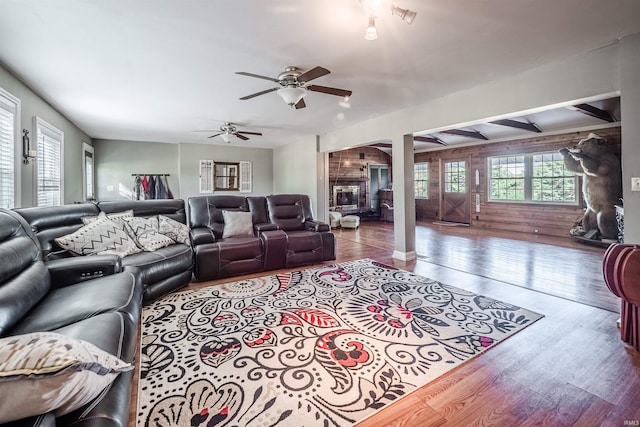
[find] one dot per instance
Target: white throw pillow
(174, 229)
(146, 234)
(99, 237)
(237, 223)
(42, 372)
(116, 215)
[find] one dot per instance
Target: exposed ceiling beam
(430, 139)
(467, 133)
(592, 111)
(381, 145)
(531, 127)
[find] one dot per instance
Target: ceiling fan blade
(313, 73)
(249, 133)
(258, 76)
(242, 137)
(253, 95)
(217, 134)
(300, 104)
(330, 90)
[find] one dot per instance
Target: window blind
(49, 164)
(8, 125)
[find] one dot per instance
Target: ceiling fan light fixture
(405, 14)
(292, 94)
(371, 33)
(227, 137)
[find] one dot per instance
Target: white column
(404, 205)
(630, 112)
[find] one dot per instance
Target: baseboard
(404, 256)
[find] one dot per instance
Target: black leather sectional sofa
(98, 298)
(95, 298)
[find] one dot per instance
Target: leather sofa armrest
(201, 236)
(67, 271)
(318, 226)
(265, 226)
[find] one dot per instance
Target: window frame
(54, 133)
(9, 98)
(528, 181)
(427, 180)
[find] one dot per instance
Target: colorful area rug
(318, 347)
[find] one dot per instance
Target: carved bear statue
(601, 182)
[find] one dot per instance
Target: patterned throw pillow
(146, 233)
(174, 229)
(45, 371)
(116, 215)
(237, 224)
(102, 236)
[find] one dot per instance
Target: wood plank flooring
(569, 368)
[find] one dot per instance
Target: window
(49, 179)
(536, 177)
(9, 131)
(455, 177)
(421, 180)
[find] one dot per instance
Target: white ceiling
(156, 70)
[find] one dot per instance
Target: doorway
(378, 179)
(455, 191)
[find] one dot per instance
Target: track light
(371, 33)
(405, 14)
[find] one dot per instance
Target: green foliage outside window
(455, 177)
(421, 180)
(539, 177)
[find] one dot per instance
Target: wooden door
(455, 191)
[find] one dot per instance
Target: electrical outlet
(635, 184)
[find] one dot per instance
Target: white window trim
(528, 180)
(428, 180)
(17, 160)
(38, 122)
(206, 176)
(86, 148)
(246, 177)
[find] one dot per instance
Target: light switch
(109, 187)
(635, 184)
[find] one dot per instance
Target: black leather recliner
(87, 298)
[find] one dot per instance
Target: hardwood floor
(569, 368)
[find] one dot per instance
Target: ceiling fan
(228, 130)
(294, 85)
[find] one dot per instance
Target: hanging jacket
(138, 190)
(165, 184)
(152, 187)
(161, 192)
(145, 186)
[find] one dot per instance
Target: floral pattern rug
(319, 347)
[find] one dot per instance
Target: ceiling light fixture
(227, 137)
(371, 33)
(292, 94)
(405, 14)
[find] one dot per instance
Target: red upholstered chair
(621, 270)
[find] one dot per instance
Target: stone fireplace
(346, 196)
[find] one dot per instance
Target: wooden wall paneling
(553, 220)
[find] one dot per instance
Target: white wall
(630, 110)
(117, 160)
(191, 154)
(33, 105)
(295, 169)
